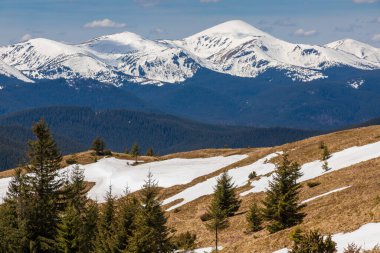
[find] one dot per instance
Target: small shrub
(185, 241)
(313, 241)
(205, 217)
(352, 248)
(252, 175)
(254, 218)
(313, 184)
(107, 152)
(71, 160)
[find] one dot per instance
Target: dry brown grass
(338, 212)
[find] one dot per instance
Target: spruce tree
(151, 233)
(281, 207)
(98, 145)
(16, 209)
(135, 151)
(77, 228)
(254, 218)
(90, 228)
(129, 207)
(45, 190)
(69, 231)
(225, 191)
(105, 240)
(218, 218)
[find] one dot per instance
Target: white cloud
(104, 23)
(210, 1)
(26, 37)
(303, 33)
(148, 3)
(364, 1)
(376, 37)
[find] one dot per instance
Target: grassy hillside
(342, 211)
(338, 212)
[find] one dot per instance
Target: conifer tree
(15, 213)
(281, 207)
(150, 152)
(151, 233)
(254, 218)
(135, 151)
(218, 218)
(225, 191)
(98, 145)
(77, 228)
(12, 240)
(69, 231)
(105, 242)
(89, 233)
(45, 190)
(325, 156)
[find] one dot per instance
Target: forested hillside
(76, 127)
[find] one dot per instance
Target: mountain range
(232, 73)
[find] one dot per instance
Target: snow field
(121, 174)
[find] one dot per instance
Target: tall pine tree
(129, 207)
(218, 218)
(151, 233)
(45, 190)
(281, 204)
(105, 239)
(77, 228)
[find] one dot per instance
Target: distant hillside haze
(76, 127)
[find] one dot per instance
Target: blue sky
(304, 21)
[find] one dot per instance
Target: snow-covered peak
(8, 71)
(357, 48)
(121, 43)
(235, 28)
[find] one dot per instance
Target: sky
(300, 21)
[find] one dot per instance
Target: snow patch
(337, 161)
(356, 84)
(324, 194)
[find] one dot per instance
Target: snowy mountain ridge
(234, 47)
(10, 72)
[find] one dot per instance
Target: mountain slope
(7, 71)
(357, 48)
